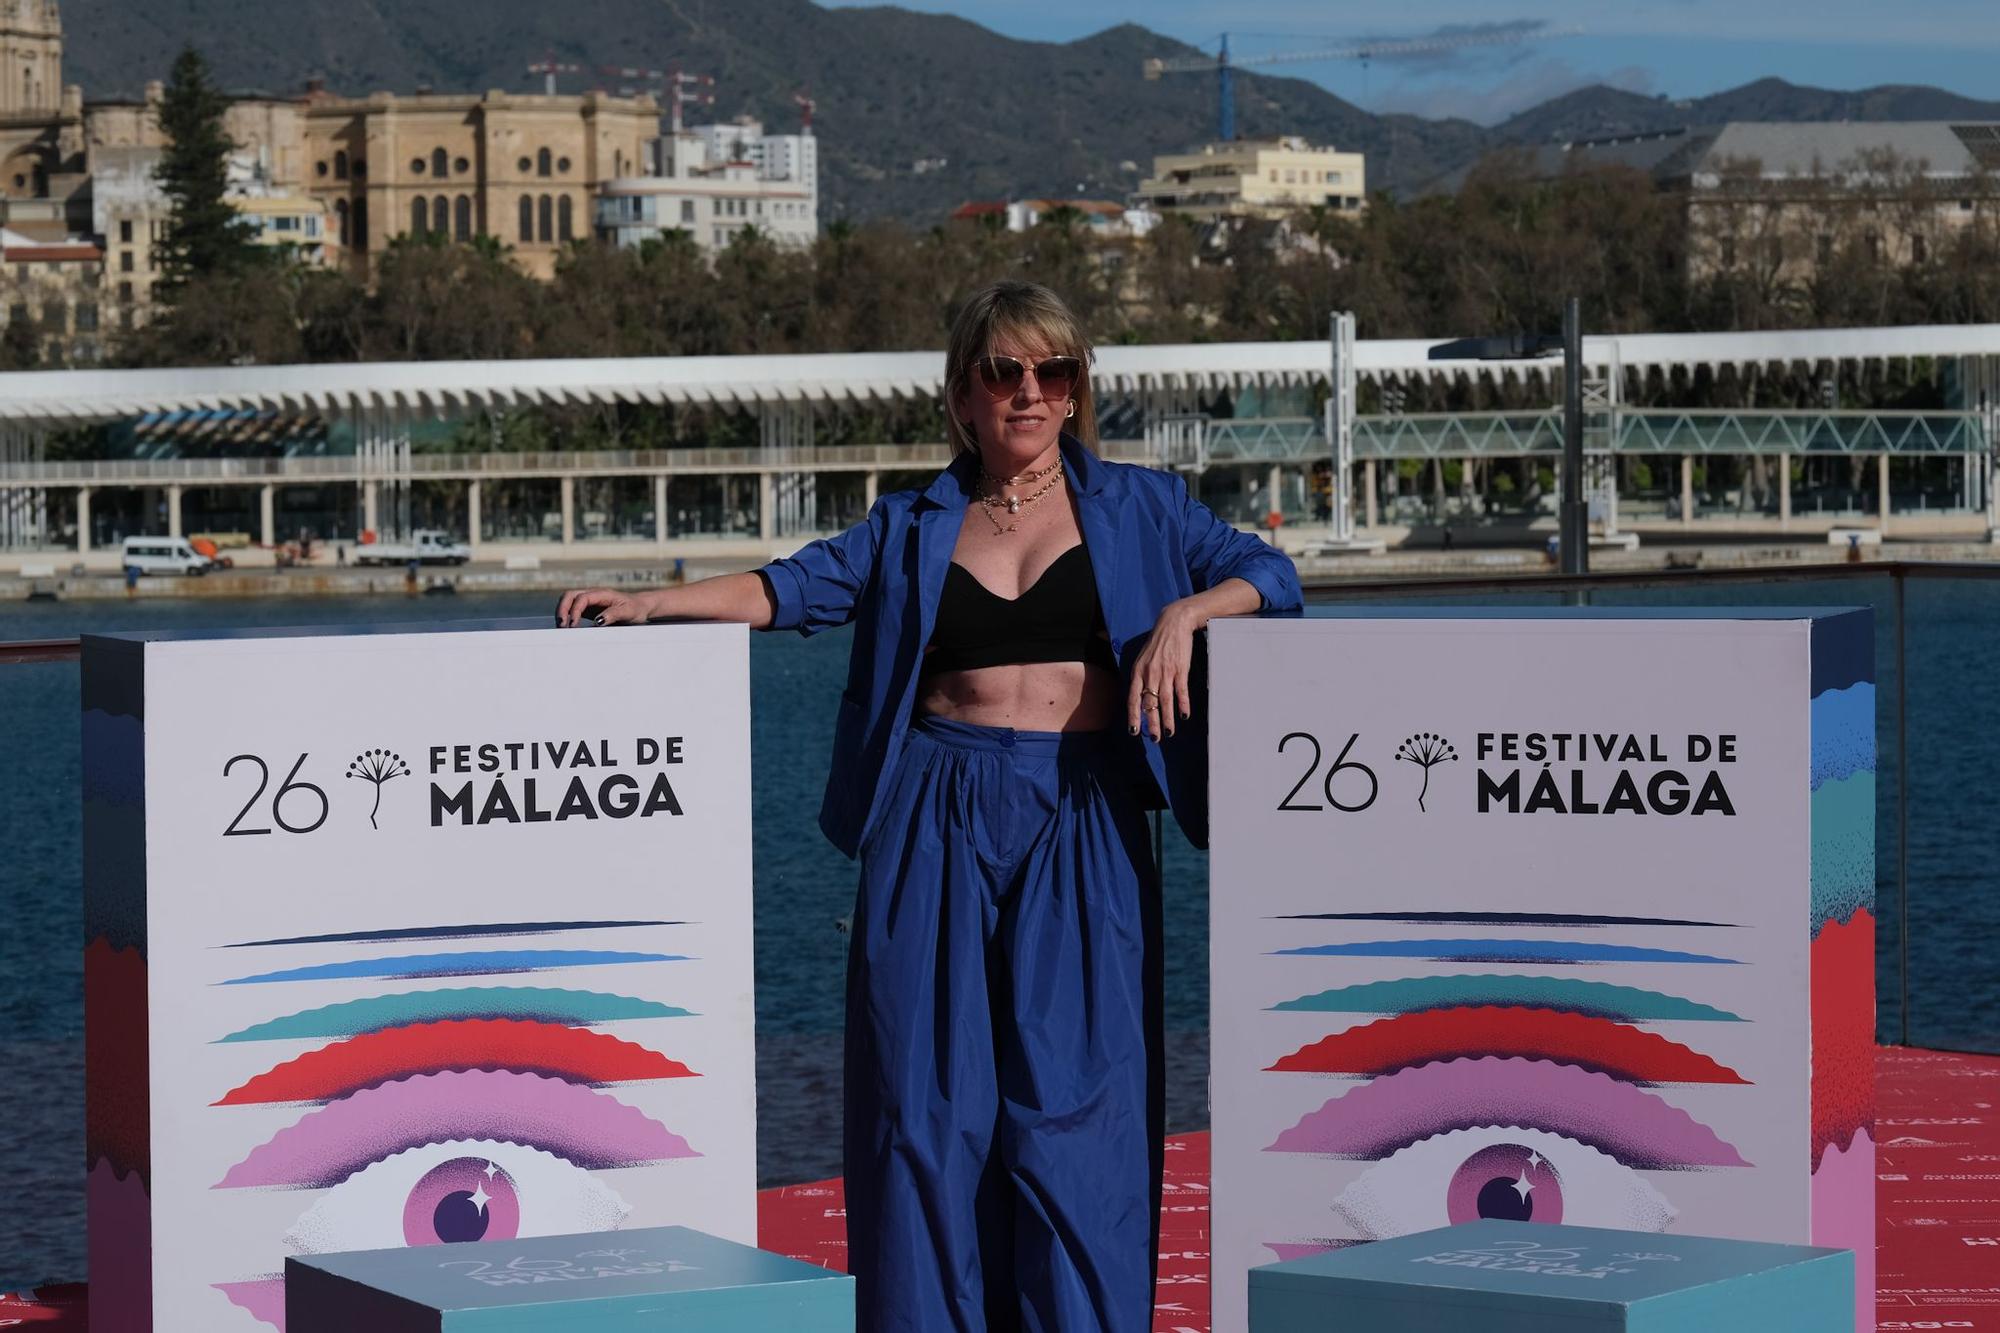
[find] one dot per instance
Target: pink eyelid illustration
(591, 1129)
(1637, 1128)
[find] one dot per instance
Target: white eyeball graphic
(1527, 1175)
(463, 1190)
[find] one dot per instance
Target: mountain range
(915, 113)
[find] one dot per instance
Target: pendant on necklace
(1013, 504)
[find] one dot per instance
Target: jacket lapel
(1096, 515)
(940, 515)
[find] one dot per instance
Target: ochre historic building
(521, 168)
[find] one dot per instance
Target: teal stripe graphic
(572, 1008)
(1598, 998)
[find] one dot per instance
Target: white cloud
(1528, 84)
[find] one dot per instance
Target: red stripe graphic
(1622, 1051)
(575, 1055)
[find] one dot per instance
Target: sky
(1679, 48)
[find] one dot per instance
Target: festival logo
(1426, 751)
(377, 767)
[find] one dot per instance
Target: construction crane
(1223, 66)
(548, 67)
(674, 88)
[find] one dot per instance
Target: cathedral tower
(30, 59)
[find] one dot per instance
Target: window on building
(319, 167)
(525, 165)
(1824, 248)
(460, 165)
(340, 164)
(312, 227)
(440, 163)
(441, 216)
(125, 232)
(125, 293)
(416, 166)
(565, 219)
(286, 224)
(55, 316)
(124, 261)
(1873, 240)
(542, 161)
(1919, 251)
(687, 210)
(562, 165)
(86, 317)
(340, 220)
(462, 217)
(17, 313)
(545, 215)
(420, 215)
(527, 219)
(1965, 205)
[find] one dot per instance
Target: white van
(163, 555)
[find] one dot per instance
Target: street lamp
(1573, 516)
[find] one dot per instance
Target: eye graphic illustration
(1504, 951)
(1639, 1129)
(575, 1055)
(1572, 1039)
(447, 1193)
(1522, 1175)
(591, 1129)
(1625, 1004)
(350, 1018)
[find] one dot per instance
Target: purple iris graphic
(1509, 1181)
(465, 1199)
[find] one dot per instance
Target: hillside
(895, 88)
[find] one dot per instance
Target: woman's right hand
(608, 605)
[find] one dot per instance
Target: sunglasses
(1057, 377)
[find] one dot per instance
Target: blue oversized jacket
(1150, 544)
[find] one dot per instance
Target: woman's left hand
(1158, 698)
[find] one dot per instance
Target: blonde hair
(1032, 314)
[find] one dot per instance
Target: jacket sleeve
(818, 587)
(1216, 551)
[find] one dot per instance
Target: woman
(1024, 633)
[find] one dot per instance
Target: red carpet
(1937, 1227)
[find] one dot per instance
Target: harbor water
(804, 888)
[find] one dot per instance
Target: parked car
(164, 555)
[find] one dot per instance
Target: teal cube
(650, 1280)
(1527, 1277)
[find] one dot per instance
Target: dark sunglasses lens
(1001, 375)
(1058, 376)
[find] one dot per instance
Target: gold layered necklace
(995, 499)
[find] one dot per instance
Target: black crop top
(1058, 619)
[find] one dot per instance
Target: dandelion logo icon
(378, 767)
(1426, 751)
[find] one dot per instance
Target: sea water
(804, 889)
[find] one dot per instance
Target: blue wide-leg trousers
(1003, 1071)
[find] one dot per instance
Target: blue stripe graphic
(457, 965)
(1505, 951)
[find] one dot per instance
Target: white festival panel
(1557, 916)
(409, 936)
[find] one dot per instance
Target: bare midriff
(1032, 696)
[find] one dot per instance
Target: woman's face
(1017, 429)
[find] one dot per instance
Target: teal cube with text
(1525, 1277)
(643, 1281)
